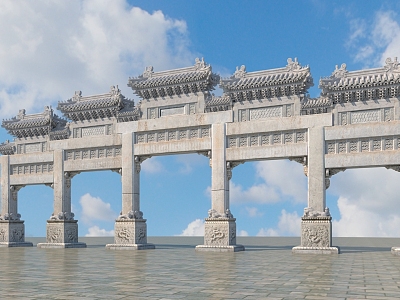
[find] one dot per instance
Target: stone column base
(316, 236)
(220, 236)
(62, 234)
(12, 234)
(130, 234)
(395, 251)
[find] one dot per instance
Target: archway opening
(35, 204)
(174, 194)
(364, 203)
(268, 197)
(96, 202)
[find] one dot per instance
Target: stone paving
(266, 270)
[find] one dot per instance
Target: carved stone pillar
(316, 224)
(12, 228)
(130, 227)
(61, 228)
(220, 226)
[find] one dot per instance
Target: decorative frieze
(386, 143)
(173, 135)
(267, 139)
(261, 113)
(29, 169)
(31, 148)
(93, 131)
(92, 153)
(366, 116)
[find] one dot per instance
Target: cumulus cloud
(188, 162)
(253, 212)
(195, 228)
(243, 233)
(367, 202)
(95, 209)
(152, 165)
(372, 41)
(281, 180)
(288, 225)
(49, 49)
(96, 231)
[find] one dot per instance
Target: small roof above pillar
(33, 125)
(370, 84)
(195, 79)
(79, 108)
(290, 80)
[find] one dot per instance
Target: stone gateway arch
(262, 115)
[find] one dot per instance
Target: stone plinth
(12, 234)
(220, 236)
(130, 234)
(316, 236)
(395, 251)
(62, 234)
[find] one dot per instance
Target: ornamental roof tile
(7, 148)
(107, 105)
(343, 85)
(218, 103)
(41, 124)
(292, 79)
(198, 78)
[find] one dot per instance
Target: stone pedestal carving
(316, 233)
(130, 234)
(12, 234)
(220, 235)
(62, 234)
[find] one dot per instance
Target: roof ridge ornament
(148, 72)
(392, 66)
(239, 73)
(293, 65)
(199, 64)
(340, 72)
(115, 91)
(77, 96)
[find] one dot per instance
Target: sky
(50, 49)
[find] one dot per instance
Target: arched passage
(268, 197)
(364, 202)
(96, 202)
(174, 193)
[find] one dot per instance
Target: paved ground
(266, 270)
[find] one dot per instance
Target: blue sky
(50, 49)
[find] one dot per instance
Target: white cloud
(96, 231)
(368, 202)
(93, 208)
(152, 165)
(195, 228)
(283, 179)
(49, 49)
(189, 161)
(288, 225)
(253, 212)
(243, 233)
(375, 40)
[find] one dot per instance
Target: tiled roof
(198, 78)
(107, 105)
(361, 85)
(290, 80)
(40, 124)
